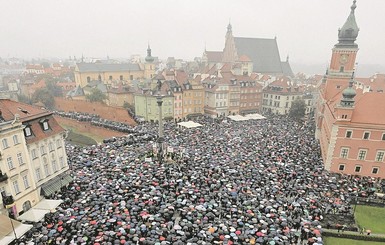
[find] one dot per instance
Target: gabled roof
(78, 91)
(263, 52)
(100, 67)
(286, 69)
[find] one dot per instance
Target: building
(279, 95)
(108, 72)
(262, 54)
(350, 117)
(146, 105)
(33, 156)
(250, 100)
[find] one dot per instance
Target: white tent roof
(6, 226)
(247, 117)
(33, 215)
(237, 118)
(255, 116)
(48, 204)
(189, 124)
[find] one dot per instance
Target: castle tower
(343, 59)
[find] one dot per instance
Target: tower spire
(149, 58)
(347, 35)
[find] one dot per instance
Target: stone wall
(118, 114)
(86, 127)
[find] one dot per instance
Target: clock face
(344, 58)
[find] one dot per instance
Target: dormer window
(44, 124)
(28, 131)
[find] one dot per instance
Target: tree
(297, 109)
(44, 96)
(96, 96)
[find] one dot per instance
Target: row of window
(110, 78)
(365, 136)
(47, 169)
(362, 153)
(249, 104)
(358, 168)
(20, 160)
(43, 123)
(5, 143)
(51, 147)
(16, 187)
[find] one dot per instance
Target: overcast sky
(305, 29)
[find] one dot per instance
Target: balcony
(3, 177)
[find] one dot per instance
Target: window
(131, 77)
(25, 181)
(54, 166)
(45, 125)
(357, 169)
(58, 143)
(38, 175)
(61, 161)
(33, 153)
(366, 135)
(361, 155)
(375, 170)
(20, 159)
(121, 77)
(27, 131)
(10, 163)
(15, 139)
(46, 170)
(110, 77)
(50, 146)
(42, 150)
(88, 79)
(383, 137)
(16, 187)
(5, 143)
(341, 167)
(344, 152)
(380, 156)
(348, 134)
(342, 69)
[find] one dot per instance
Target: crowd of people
(96, 120)
(248, 182)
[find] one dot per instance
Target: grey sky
(305, 29)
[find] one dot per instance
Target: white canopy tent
(48, 204)
(33, 215)
(189, 124)
(254, 116)
(7, 235)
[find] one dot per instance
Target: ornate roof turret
(149, 58)
(229, 28)
(348, 94)
(347, 35)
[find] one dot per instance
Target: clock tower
(344, 54)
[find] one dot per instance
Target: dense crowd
(249, 182)
(96, 120)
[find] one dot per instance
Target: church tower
(230, 51)
(343, 59)
(149, 66)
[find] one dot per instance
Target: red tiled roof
(370, 109)
(30, 115)
(244, 58)
(10, 108)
